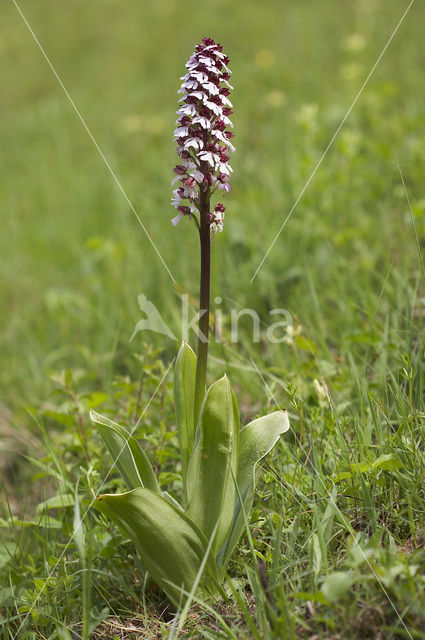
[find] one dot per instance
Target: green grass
(338, 525)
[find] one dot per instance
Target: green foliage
(173, 544)
(213, 463)
(256, 440)
(184, 383)
(127, 454)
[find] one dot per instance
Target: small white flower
(175, 201)
(212, 158)
(200, 76)
(196, 143)
(218, 223)
(227, 84)
(289, 338)
(190, 192)
(214, 108)
(210, 87)
(188, 163)
(225, 100)
(190, 84)
(208, 62)
(225, 168)
(198, 175)
(198, 94)
(219, 134)
(187, 110)
(230, 145)
(181, 132)
(207, 156)
(227, 122)
(193, 60)
(214, 70)
(203, 121)
(177, 219)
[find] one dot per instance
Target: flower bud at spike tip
(203, 141)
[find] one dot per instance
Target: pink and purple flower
(203, 140)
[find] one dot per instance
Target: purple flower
(217, 219)
(203, 141)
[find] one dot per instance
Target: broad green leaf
(173, 501)
(256, 441)
(170, 545)
(213, 463)
(127, 454)
(184, 398)
(387, 462)
(316, 554)
(337, 585)
(57, 502)
(359, 467)
(45, 521)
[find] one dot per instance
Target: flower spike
(203, 141)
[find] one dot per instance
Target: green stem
(86, 577)
(204, 299)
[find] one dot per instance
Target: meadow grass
(334, 547)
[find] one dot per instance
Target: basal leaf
(126, 453)
(213, 463)
(256, 440)
(184, 398)
(170, 545)
(173, 501)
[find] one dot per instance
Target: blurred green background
(73, 257)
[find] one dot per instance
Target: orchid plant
(186, 547)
